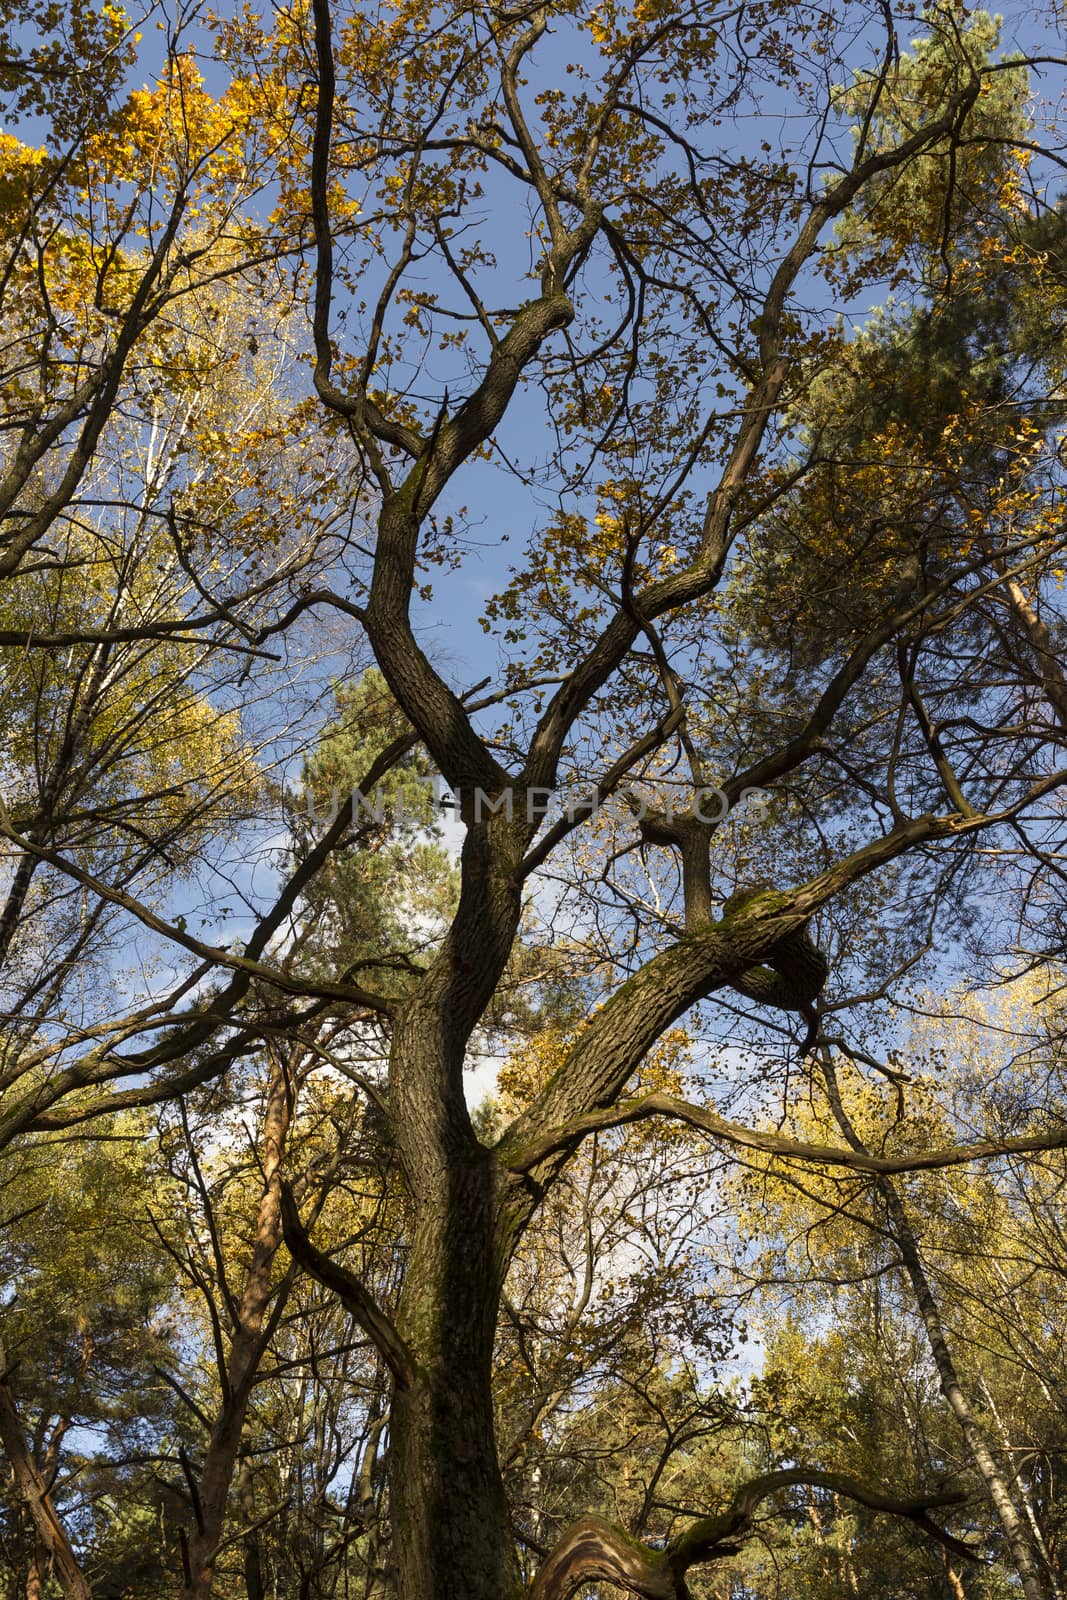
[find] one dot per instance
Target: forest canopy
(532, 883)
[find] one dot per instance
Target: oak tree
(570, 250)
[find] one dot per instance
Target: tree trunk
(34, 1490)
(35, 1571)
(1038, 637)
(378, 1583)
(451, 1526)
(452, 1537)
(1024, 1556)
(254, 1586)
(1023, 1493)
(246, 1347)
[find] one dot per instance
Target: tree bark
(452, 1534)
(451, 1524)
(592, 1550)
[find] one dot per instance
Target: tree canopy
(532, 556)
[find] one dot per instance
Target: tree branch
(356, 1299)
(594, 1550)
(658, 1104)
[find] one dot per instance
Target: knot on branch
(791, 972)
(792, 977)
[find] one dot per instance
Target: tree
(938, 1287)
(88, 1320)
(844, 613)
